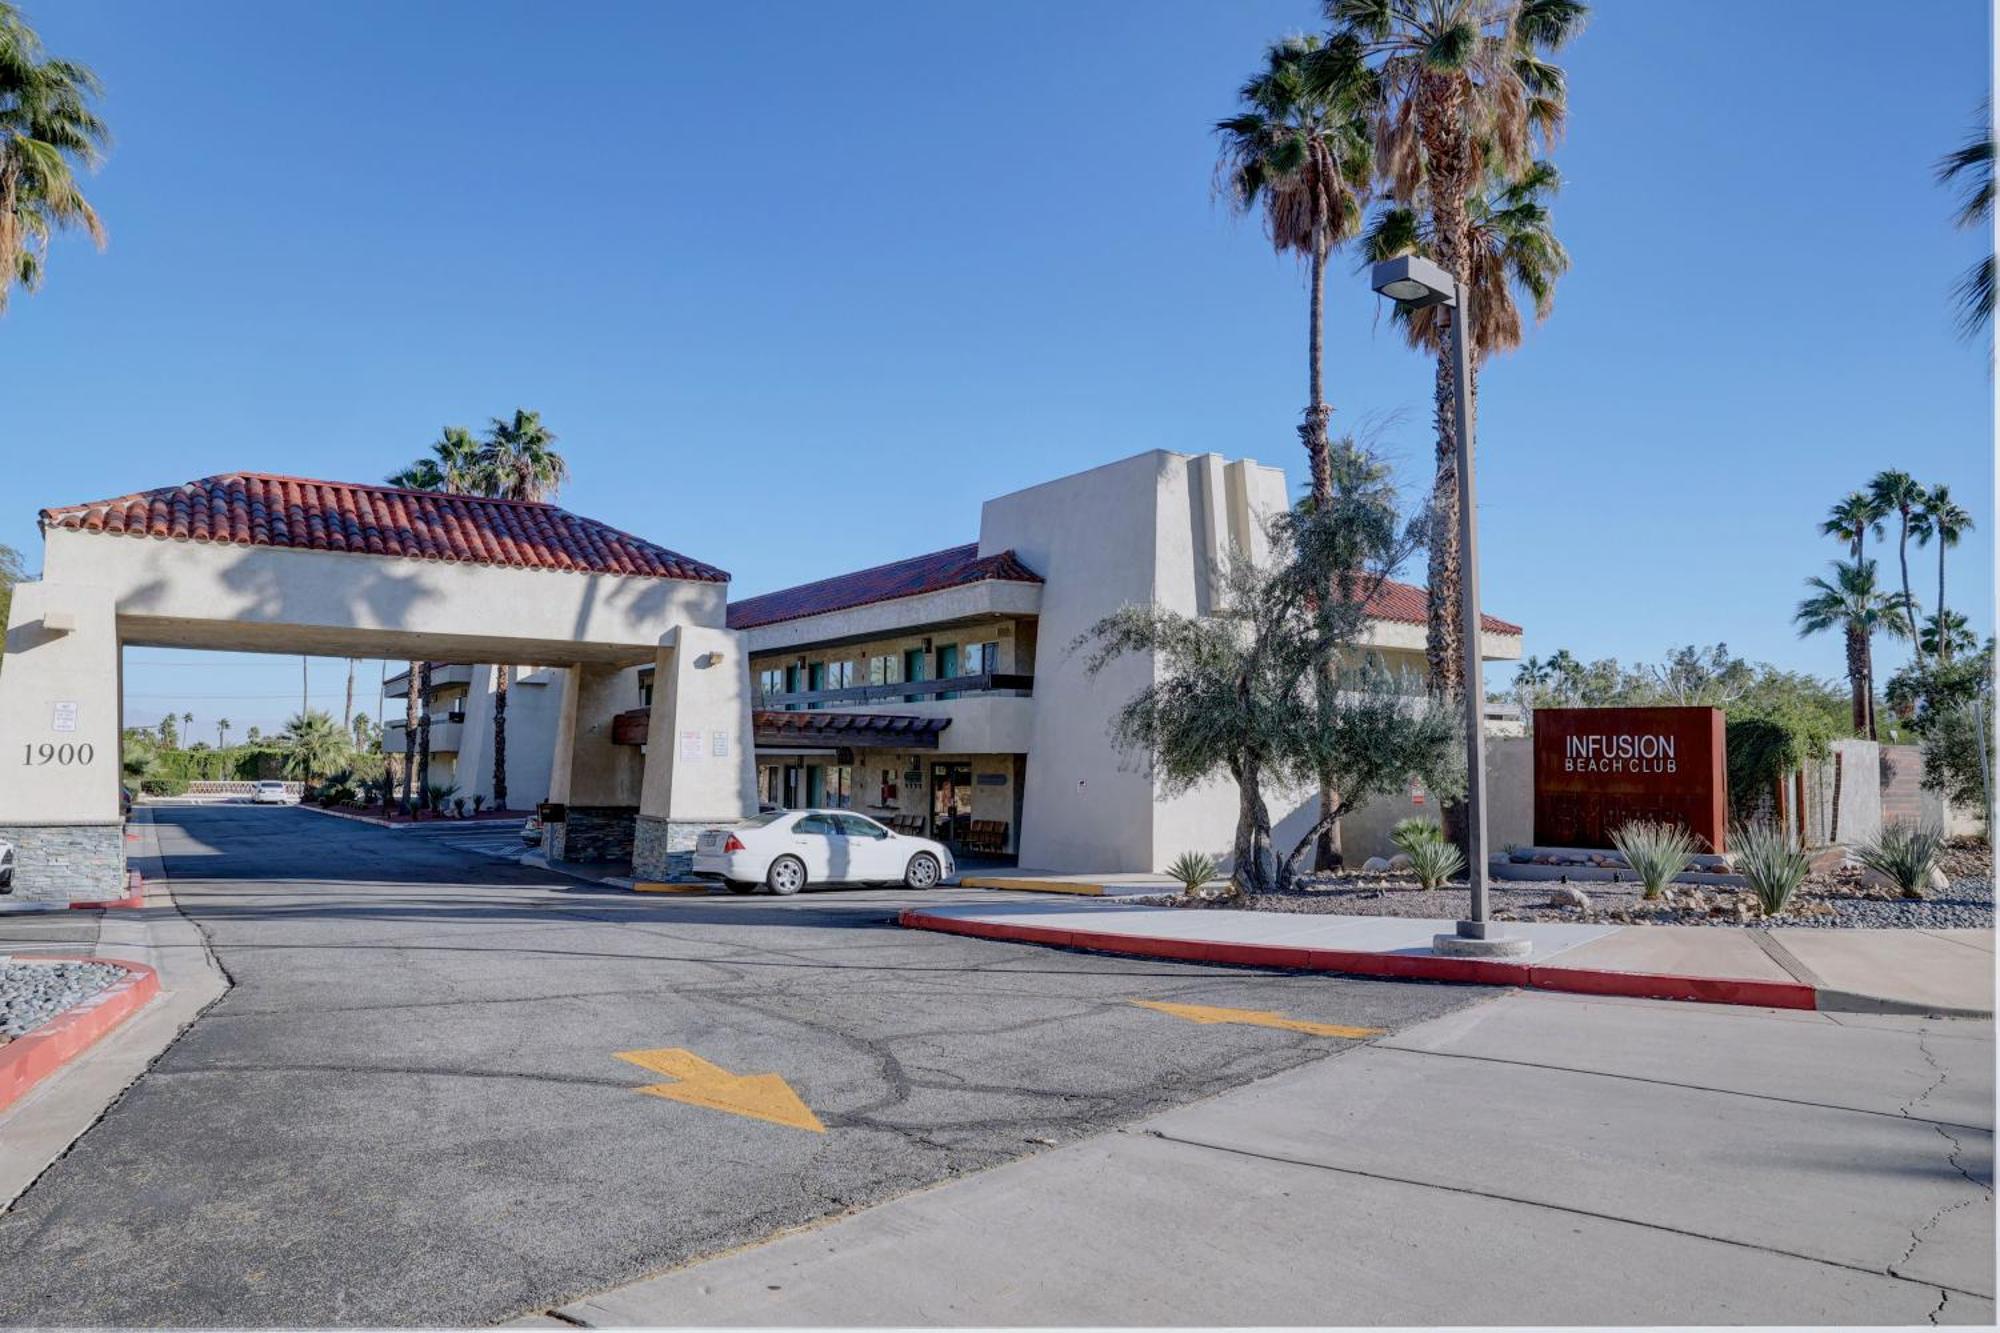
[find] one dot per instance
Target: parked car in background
(124, 802)
(531, 832)
(6, 867)
(785, 850)
(270, 793)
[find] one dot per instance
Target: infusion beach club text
(1597, 768)
(1647, 752)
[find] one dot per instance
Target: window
(885, 669)
(820, 824)
(981, 658)
(771, 681)
(854, 826)
(646, 687)
(836, 786)
(839, 675)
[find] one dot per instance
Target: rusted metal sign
(1597, 768)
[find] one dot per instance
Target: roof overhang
(991, 599)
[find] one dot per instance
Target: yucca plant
(1434, 860)
(1192, 871)
(1414, 832)
(1905, 854)
(1656, 852)
(1772, 860)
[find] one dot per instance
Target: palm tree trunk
(500, 737)
(1448, 154)
(410, 738)
(1868, 671)
(424, 740)
(1944, 636)
(347, 713)
(1909, 602)
(1857, 679)
(1314, 431)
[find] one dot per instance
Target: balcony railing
(908, 691)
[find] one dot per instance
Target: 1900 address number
(64, 754)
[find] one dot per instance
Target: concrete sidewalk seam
(1785, 958)
(1559, 1208)
(1688, 1087)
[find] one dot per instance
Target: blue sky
(762, 264)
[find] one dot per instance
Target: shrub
(164, 786)
(1656, 852)
(1432, 858)
(1409, 834)
(1905, 854)
(1772, 860)
(1192, 871)
(437, 795)
(478, 802)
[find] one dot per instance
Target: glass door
(951, 802)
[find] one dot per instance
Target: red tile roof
(1409, 604)
(903, 578)
(256, 509)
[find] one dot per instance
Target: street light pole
(1419, 282)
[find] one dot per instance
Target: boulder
(1401, 861)
(1564, 895)
(1875, 879)
(1375, 865)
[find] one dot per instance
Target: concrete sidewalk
(1947, 973)
(1535, 1159)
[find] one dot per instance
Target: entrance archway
(260, 563)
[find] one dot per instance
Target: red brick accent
(32, 1057)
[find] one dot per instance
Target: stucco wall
(1510, 805)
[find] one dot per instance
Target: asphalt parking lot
(411, 1107)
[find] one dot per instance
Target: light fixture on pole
(1417, 282)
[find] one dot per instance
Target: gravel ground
(33, 993)
(1829, 901)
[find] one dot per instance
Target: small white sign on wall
(64, 716)
(690, 745)
(718, 744)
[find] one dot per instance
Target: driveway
(409, 1109)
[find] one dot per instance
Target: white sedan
(270, 793)
(789, 849)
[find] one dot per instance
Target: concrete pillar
(59, 744)
(700, 766)
(596, 781)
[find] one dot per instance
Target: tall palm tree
(1565, 675)
(1945, 633)
(1299, 151)
(47, 131)
(222, 733)
(1973, 160)
(519, 458)
(1850, 518)
(1463, 88)
(1851, 602)
(314, 745)
(1512, 249)
(1943, 518)
(456, 464)
(1898, 493)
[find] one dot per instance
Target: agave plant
(1192, 871)
(1772, 860)
(1414, 832)
(1905, 854)
(1433, 860)
(1656, 852)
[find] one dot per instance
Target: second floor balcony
(989, 684)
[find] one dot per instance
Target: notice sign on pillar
(718, 744)
(1598, 768)
(690, 745)
(63, 716)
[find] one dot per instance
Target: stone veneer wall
(594, 833)
(663, 849)
(66, 862)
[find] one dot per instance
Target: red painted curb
(28, 1059)
(135, 884)
(1408, 967)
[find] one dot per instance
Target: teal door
(947, 659)
(913, 669)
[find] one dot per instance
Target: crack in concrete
(1953, 1155)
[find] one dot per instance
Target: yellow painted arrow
(699, 1083)
(1260, 1018)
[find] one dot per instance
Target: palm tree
(1973, 160)
(222, 733)
(1300, 152)
(1898, 493)
(1941, 517)
(1957, 636)
(1849, 520)
(1513, 248)
(314, 745)
(1851, 603)
(519, 458)
(1462, 89)
(1565, 675)
(47, 130)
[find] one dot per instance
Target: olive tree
(1235, 695)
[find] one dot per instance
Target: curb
(34, 1056)
(135, 894)
(1404, 967)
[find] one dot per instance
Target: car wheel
(923, 872)
(787, 875)
(740, 886)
